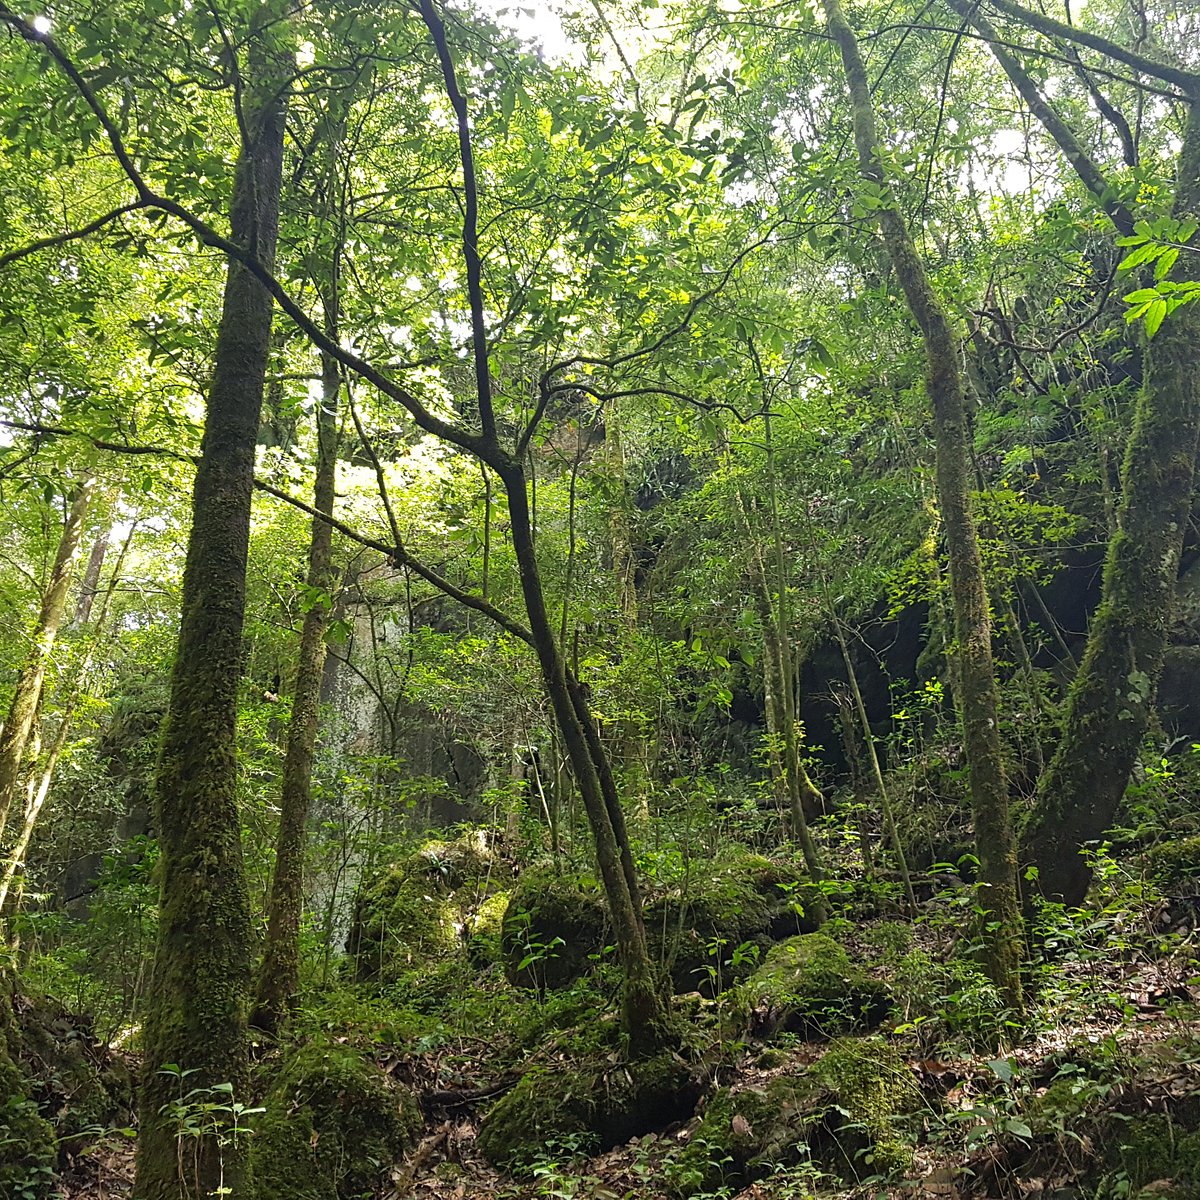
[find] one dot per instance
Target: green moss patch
(427, 907)
(554, 923)
(711, 931)
(841, 1115)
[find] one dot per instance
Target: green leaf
(1002, 1068)
(1154, 318)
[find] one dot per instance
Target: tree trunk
(22, 711)
(995, 844)
(644, 1016)
(279, 978)
(196, 1015)
(38, 785)
(91, 578)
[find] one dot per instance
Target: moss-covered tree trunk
(1109, 703)
(279, 978)
(22, 711)
(1110, 699)
(995, 843)
(196, 1015)
(799, 793)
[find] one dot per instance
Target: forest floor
(982, 1130)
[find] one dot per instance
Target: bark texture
(995, 843)
(22, 711)
(196, 1017)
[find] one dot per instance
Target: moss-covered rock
(333, 1126)
(423, 908)
(1153, 1148)
(841, 1115)
(747, 1134)
(710, 932)
(553, 924)
(1173, 863)
(808, 985)
(590, 1105)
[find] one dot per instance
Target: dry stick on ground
(995, 844)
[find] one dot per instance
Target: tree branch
(471, 442)
(1060, 31)
(71, 235)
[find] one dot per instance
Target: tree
(23, 708)
(197, 1018)
(1111, 698)
(994, 837)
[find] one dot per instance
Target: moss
(333, 1125)
(27, 1143)
(486, 927)
(1174, 863)
(590, 1105)
(552, 926)
(840, 1115)
(808, 985)
(77, 1079)
(709, 933)
(874, 1085)
(1154, 1148)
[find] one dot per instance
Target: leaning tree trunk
(279, 977)
(995, 844)
(644, 1016)
(196, 1015)
(1110, 700)
(22, 711)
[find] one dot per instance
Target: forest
(600, 600)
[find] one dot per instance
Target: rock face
(333, 1126)
(808, 986)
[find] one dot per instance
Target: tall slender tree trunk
(90, 585)
(279, 978)
(799, 792)
(644, 1015)
(22, 711)
(196, 1015)
(995, 844)
(37, 787)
